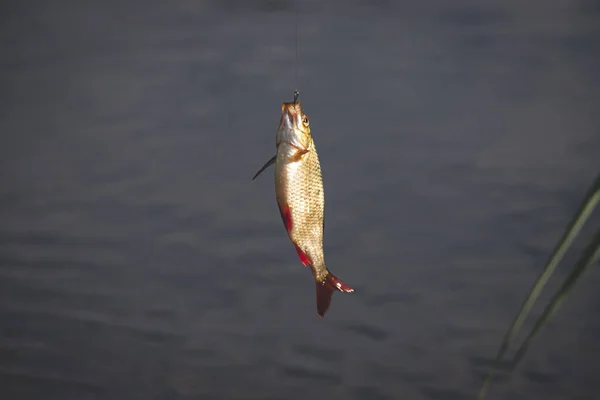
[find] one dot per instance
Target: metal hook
(296, 94)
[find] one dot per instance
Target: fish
(301, 198)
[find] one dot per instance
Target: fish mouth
(291, 115)
(290, 127)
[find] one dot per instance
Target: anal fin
(303, 257)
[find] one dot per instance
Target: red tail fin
(325, 291)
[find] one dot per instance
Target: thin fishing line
(296, 92)
(296, 48)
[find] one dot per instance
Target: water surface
(139, 261)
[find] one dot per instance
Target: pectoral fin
(298, 154)
(270, 162)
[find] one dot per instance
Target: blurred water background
(139, 261)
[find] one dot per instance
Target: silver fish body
(301, 199)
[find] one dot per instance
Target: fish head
(294, 127)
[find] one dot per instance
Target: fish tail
(325, 290)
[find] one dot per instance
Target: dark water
(139, 261)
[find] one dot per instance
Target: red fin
(303, 257)
(325, 291)
(286, 216)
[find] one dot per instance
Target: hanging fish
(300, 197)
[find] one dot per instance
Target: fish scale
(300, 185)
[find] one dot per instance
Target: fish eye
(305, 120)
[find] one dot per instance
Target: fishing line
(296, 92)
